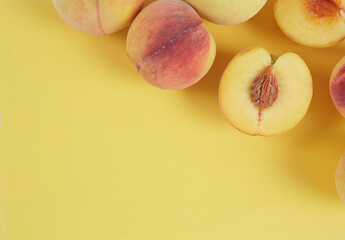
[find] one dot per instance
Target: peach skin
(340, 178)
(337, 86)
(227, 12)
(98, 17)
(169, 45)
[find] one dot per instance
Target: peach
(227, 12)
(337, 86)
(317, 23)
(262, 95)
(340, 178)
(169, 45)
(98, 17)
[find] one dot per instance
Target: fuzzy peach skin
(169, 45)
(340, 178)
(227, 12)
(337, 86)
(98, 17)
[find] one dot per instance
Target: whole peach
(169, 45)
(98, 17)
(337, 86)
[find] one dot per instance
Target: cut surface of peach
(318, 23)
(259, 95)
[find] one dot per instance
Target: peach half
(317, 23)
(98, 17)
(340, 178)
(169, 45)
(337, 86)
(227, 12)
(261, 95)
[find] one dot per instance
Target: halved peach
(318, 23)
(340, 178)
(227, 12)
(259, 95)
(337, 86)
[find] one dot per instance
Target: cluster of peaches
(259, 94)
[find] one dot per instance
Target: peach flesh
(254, 79)
(322, 8)
(315, 23)
(169, 45)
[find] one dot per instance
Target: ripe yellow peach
(317, 23)
(98, 17)
(337, 86)
(169, 45)
(261, 95)
(227, 12)
(340, 178)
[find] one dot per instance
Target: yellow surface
(90, 151)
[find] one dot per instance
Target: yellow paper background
(90, 151)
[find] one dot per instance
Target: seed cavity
(264, 90)
(323, 8)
